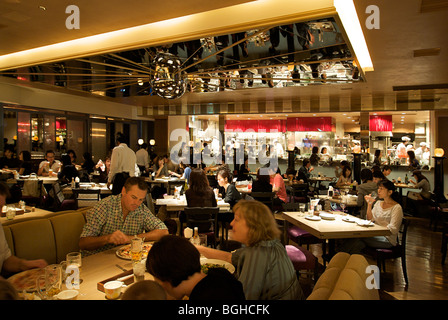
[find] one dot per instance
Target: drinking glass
(53, 282)
(343, 204)
(139, 269)
(374, 195)
(73, 261)
(203, 240)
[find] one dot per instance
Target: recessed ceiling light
(42, 8)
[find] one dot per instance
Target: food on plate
(27, 280)
(207, 266)
(125, 251)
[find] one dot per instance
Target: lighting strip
(347, 13)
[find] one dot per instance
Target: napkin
(188, 232)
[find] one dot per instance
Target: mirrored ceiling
(299, 54)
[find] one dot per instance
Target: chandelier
(168, 81)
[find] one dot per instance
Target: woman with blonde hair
(261, 264)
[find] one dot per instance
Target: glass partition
(99, 140)
(23, 131)
(76, 139)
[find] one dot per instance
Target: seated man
(8, 161)
(50, 163)
(118, 218)
(8, 262)
(175, 264)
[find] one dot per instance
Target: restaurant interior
(292, 74)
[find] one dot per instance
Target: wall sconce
(140, 142)
(152, 142)
(438, 152)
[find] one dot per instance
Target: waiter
(122, 165)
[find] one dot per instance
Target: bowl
(67, 295)
(112, 289)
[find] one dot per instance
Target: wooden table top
(173, 204)
(334, 229)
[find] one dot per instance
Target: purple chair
(302, 259)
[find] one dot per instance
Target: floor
(428, 279)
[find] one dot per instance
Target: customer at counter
(386, 172)
(413, 162)
(262, 265)
(314, 158)
(118, 218)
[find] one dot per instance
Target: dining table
(174, 203)
(332, 225)
(67, 191)
(29, 213)
(168, 182)
(400, 186)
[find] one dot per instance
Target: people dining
(386, 213)
(118, 218)
(199, 193)
(261, 264)
(231, 195)
(262, 183)
(73, 157)
(68, 170)
(10, 263)
(50, 166)
(314, 158)
(88, 163)
(345, 179)
(160, 168)
(365, 188)
(103, 169)
(278, 187)
(304, 172)
(422, 183)
(8, 161)
(25, 165)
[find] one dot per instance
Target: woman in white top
(387, 213)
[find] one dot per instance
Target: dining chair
(206, 219)
(60, 203)
(86, 197)
(302, 259)
(300, 192)
(32, 192)
(264, 197)
(398, 251)
(298, 235)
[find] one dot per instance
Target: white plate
(313, 218)
(364, 223)
(327, 216)
(226, 265)
(349, 219)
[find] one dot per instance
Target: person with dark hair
(378, 176)
(386, 172)
(88, 163)
(421, 183)
(304, 172)
(8, 161)
(142, 157)
(314, 158)
(175, 264)
(262, 264)
(377, 157)
(366, 187)
(262, 184)
(26, 165)
(8, 262)
(199, 193)
(118, 218)
(122, 165)
(68, 170)
(231, 194)
(413, 162)
(144, 290)
(345, 179)
(72, 155)
(49, 164)
(386, 212)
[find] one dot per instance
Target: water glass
(203, 240)
(139, 269)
